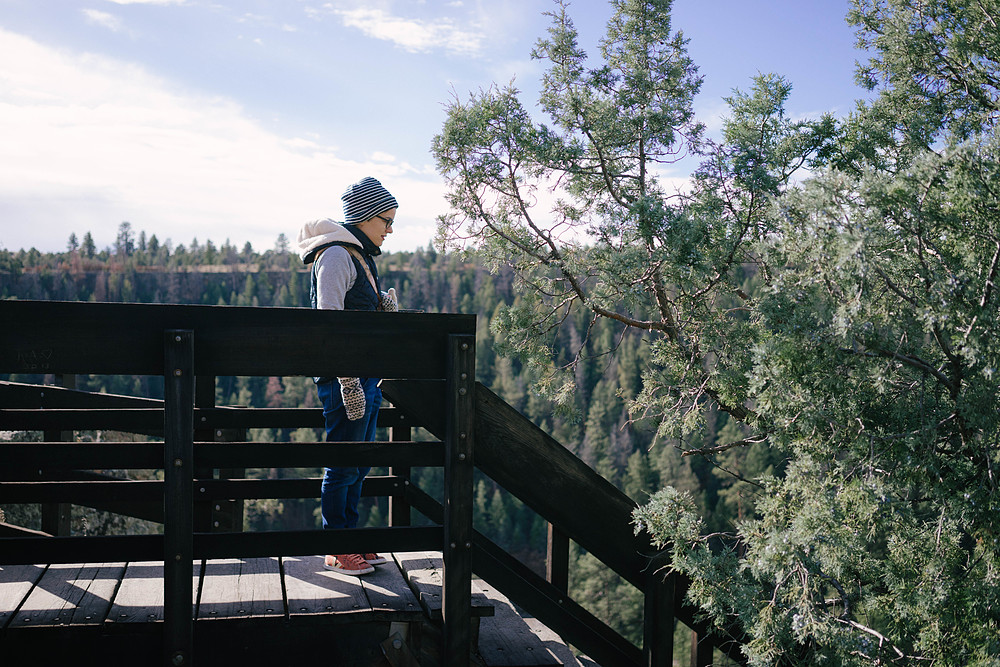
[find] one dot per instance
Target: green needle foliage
(830, 286)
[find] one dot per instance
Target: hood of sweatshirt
(319, 233)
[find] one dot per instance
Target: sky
(237, 121)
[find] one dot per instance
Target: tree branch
(706, 451)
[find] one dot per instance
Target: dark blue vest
(361, 296)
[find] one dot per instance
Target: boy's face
(377, 228)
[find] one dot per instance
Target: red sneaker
(375, 559)
(352, 564)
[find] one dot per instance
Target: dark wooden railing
(429, 362)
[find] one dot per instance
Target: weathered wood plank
(178, 510)
(70, 594)
(132, 420)
(19, 395)
(312, 590)
(231, 340)
(64, 406)
(16, 582)
(240, 588)
(424, 573)
(389, 596)
(458, 502)
(10, 530)
(140, 596)
(505, 640)
(554, 644)
(309, 454)
(27, 457)
(107, 490)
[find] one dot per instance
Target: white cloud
(148, 2)
(104, 19)
(713, 113)
(414, 35)
(87, 142)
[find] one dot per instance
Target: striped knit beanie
(366, 199)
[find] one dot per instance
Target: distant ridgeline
(203, 274)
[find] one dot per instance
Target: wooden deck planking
(505, 640)
(70, 594)
(566, 655)
(296, 590)
(16, 582)
(510, 639)
(140, 596)
(424, 571)
(132, 593)
(389, 596)
(241, 588)
(313, 590)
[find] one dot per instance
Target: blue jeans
(341, 488)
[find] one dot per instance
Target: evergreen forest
(596, 427)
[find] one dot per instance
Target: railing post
(658, 617)
(227, 514)
(204, 397)
(399, 506)
(457, 552)
(215, 515)
(557, 558)
(57, 517)
(178, 510)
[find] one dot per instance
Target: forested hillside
(598, 428)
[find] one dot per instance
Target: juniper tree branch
(909, 360)
(705, 451)
(882, 640)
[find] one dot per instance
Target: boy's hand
(354, 397)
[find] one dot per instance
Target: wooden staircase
(503, 636)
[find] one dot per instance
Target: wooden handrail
(127, 339)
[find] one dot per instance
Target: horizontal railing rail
(108, 548)
(127, 339)
(150, 420)
(29, 456)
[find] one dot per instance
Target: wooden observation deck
(205, 592)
